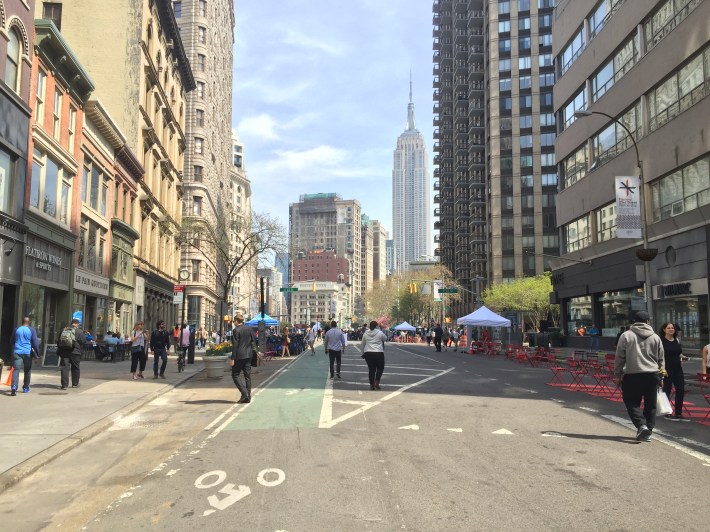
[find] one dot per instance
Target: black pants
(675, 379)
(375, 365)
(242, 365)
(335, 356)
(160, 353)
(437, 343)
(70, 361)
(637, 386)
(138, 357)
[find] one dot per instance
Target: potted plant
(215, 359)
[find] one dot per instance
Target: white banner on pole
(437, 285)
(628, 207)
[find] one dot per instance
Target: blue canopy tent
(268, 321)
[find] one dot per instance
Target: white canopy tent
(404, 326)
(484, 317)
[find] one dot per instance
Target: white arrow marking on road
(410, 427)
(233, 495)
(502, 431)
(291, 392)
(455, 430)
(553, 435)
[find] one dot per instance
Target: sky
(320, 96)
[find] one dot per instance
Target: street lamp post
(646, 254)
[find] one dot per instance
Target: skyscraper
(410, 194)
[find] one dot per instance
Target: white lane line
(663, 437)
(326, 410)
(365, 383)
(392, 373)
(351, 402)
(385, 398)
(416, 367)
(588, 409)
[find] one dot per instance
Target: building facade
(321, 265)
(16, 56)
(411, 221)
(380, 235)
(645, 64)
(207, 31)
(143, 78)
(320, 301)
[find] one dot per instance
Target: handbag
(663, 405)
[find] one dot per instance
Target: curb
(15, 474)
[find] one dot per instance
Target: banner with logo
(628, 207)
(437, 285)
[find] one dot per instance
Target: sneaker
(13, 393)
(62, 387)
(74, 385)
(162, 376)
(337, 375)
(643, 433)
(26, 389)
(672, 417)
(331, 376)
(155, 376)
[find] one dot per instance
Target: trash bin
(531, 339)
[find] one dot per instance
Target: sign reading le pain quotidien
(85, 281)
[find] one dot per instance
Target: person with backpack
(138, 355)
(69, 346)
(159, 344)
(25, 347)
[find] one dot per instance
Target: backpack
(67, 338)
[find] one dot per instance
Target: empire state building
(410, 195)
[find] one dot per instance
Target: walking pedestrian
(593, 338)
(706, 359)
(138, 356)
(69, 346)
(25, 346)
(333, 345)
(285, 340)
(159, 344)
(455, 339)
(243, 347)
(184, 340)
(311, 339)
(673, 355)
(438, 333)
(198, 338)
(638, 367)
(373, 351)
(445, 337)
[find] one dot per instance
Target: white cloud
(307, 42)
(261, 126)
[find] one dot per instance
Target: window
(614, 69)
(547, 139)
(545, 40)
(503, 65)
(523, 5)
(544, 21)
(503, 7)
(201, 59)
(601, 14)
(504, 26)
(50, 188)
(200, 90)
(572, 51)
(53, 11)
(202, 35)
(92, 245)
(196, 206)
(506, 123)
(39, 103)
(72, 128)
(506, 104)
(549, 180)
(525, 121)
(104, 196)
(525, 82)
(545, 60)
(578, 103)
(542, 4)
(574, 167)
(198, 173)
(546, 99)
(8, 183)
(13, 64)
(526, 181)
(547, 159)
(577, 234)
(202, 8)
(504, 46)
(611, 141)
(95, 185)
(606, 222)
(524, 23)
(526, 141)
(524, 63)
(195, 270)
(504, 84)
(526, 101)
(198, 146)
(684, 190)
(199, 118)
(665, 18)
(177, 7)
(547, 80)
(547, 119)
(523, 44)
(57, 116)
(526, 161)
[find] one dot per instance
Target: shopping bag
(663, 405)
(8, 382)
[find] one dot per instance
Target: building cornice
(169, 25)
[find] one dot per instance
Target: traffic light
(412, 288)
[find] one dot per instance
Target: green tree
(529, 295)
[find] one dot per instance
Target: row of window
(201, 8)
(523, 5)
(526, 121)
(524, 43)
(525, 63)
(683, 190)
(525, 82)
(526, 161)
(525, 101)
(543, 22)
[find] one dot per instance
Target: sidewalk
(42, 425)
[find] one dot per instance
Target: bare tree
(232, 243)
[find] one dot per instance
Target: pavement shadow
(619, 439)
(209, 402)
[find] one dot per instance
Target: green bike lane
(293, 400)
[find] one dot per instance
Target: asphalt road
(452, 442)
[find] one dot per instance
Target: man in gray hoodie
(638, 366)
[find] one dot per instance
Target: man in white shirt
(311, 339)
(333, 345)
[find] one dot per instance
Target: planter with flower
(215, 359)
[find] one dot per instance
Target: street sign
(448, 290)
(287, 289)
(178, 294)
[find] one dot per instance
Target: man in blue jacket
(25, 348)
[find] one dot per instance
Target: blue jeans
(21, 362)
(593, 343)
(159, 354)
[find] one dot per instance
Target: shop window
(617, 308)
(579, 314)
